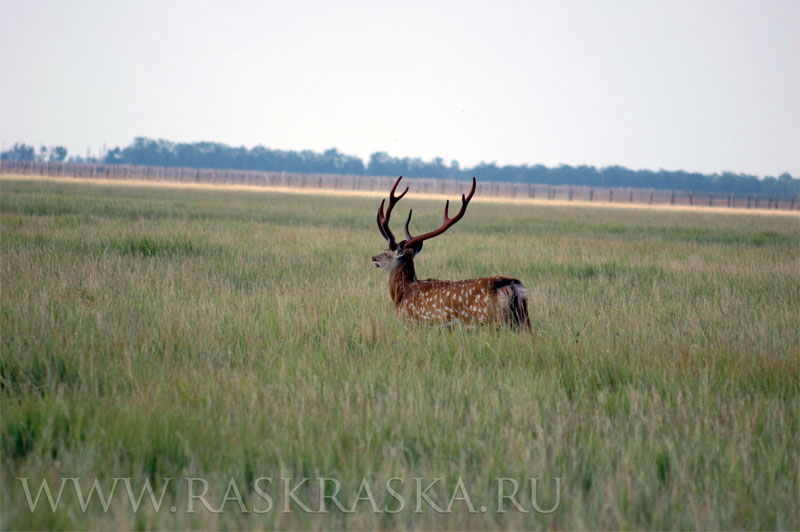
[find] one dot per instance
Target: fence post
(610, 195)
(711, 199)
(672, 198)
(630, 199)
(755, 200)
(651, 196)
(569, 194)
(792, 206)
(691, 198)
(591, 194)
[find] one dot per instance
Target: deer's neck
(400, 280)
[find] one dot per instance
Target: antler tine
(409, 238)
(392, 198)
(408, 235)
(383, 220)
(448, 222)
(380, 225)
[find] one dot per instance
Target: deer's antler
(383, 221)
(448, 222)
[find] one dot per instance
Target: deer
(497, 300)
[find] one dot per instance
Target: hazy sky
(702, 86)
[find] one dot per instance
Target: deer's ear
(403, 249)
(416, 248)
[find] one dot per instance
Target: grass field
(157, 334)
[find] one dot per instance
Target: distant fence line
(423, 185)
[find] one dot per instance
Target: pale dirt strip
(383, 194)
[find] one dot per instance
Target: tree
(58, 154)
(19, 152)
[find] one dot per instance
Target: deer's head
(398, 254)
(391, 259)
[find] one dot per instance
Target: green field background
(167, 333)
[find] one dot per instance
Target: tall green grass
(176, 333)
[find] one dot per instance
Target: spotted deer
(487, 300)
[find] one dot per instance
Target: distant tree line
(144, 151)
(23, 152)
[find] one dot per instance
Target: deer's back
(482, 300)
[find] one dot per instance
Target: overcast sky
(699, 85)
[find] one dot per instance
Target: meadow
(155, 334)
